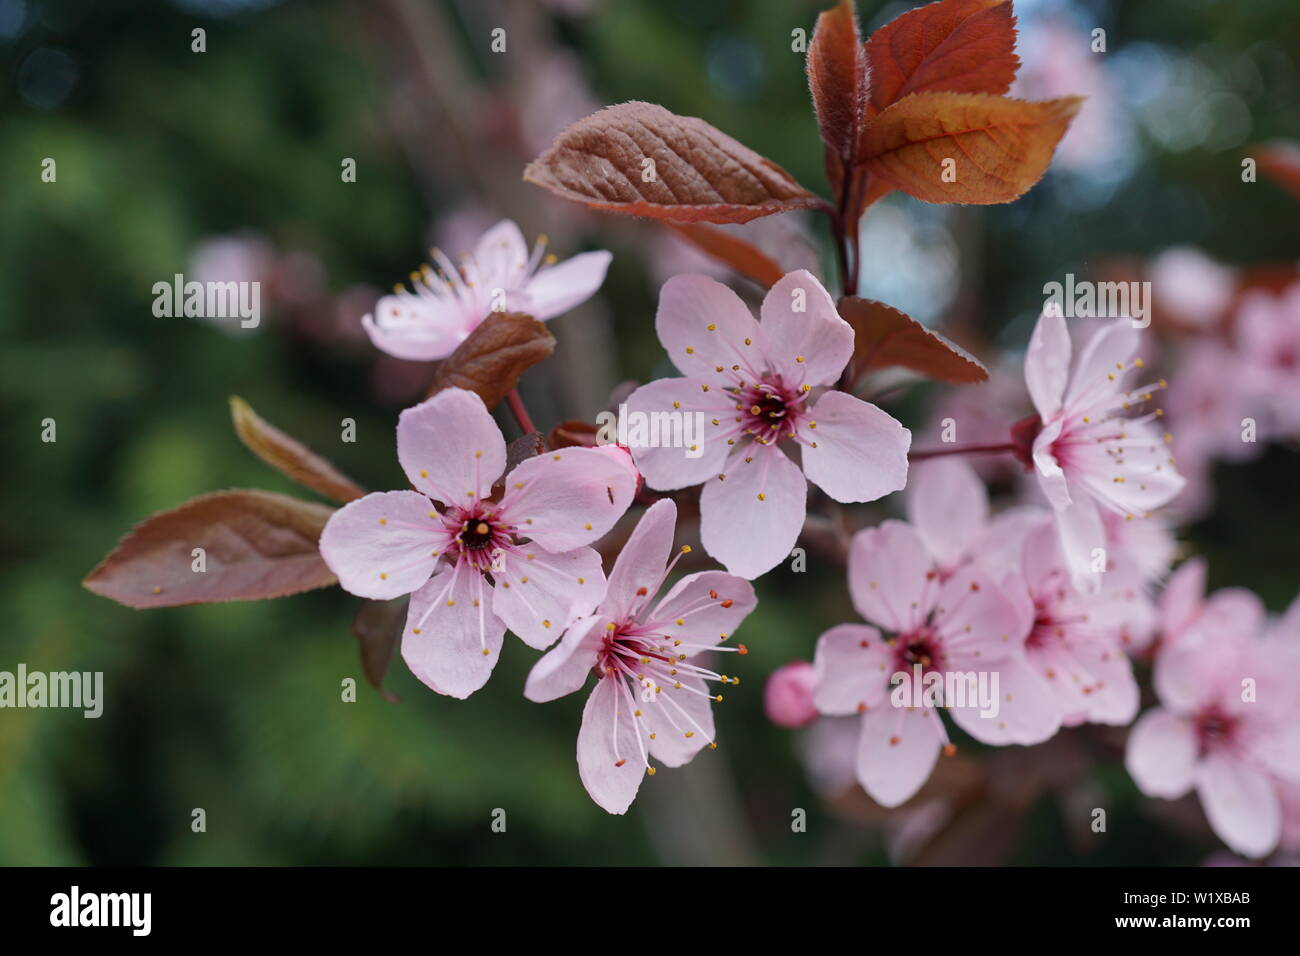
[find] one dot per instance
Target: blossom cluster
(1006, 627)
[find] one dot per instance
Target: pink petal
(705, 619)
(640, 565)
(566, 499)
(851, 669)
(1161, 754)
(1104, 356)
(1041, 556)
(1115, 697)
(500, 257)
(674, 713)
(978, 622)
(748, 534)
(450, 448)
(1027, 713)
(897, 751)
(949, 507)
(1047, 363)
(1194, 670)
(1083, 539)
(1233, 611)
(383, 545)
(817, 334)
(1181, 601)
(688, 306)
(419, 328)
(1241, 803)
(609, 748)
(1149, 478)
(566, 667)
(459, 638)
(857, 452)
(538, 594)
(556, 289)
(1001, 545)
(673, 464)
(890, 577)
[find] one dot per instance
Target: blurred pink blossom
(965, 624)
(1191, 287)
(1228, 727)
(1268, 337)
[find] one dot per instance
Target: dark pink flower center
(478, 535)
(770, 410)
(918, 647)
(1214, 729)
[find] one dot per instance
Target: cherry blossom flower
(447, 303)
(1208, 400)
(962, 625)
(651, 698)
(1228, 727)
(1192, 288)
(1078, 642)
(1268, 333)
(1088, 456)
(531, 541)
(754, 384)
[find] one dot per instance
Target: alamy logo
(1102, 300)
(209, 300)
(75, 908)
(664, 429)
(77, 689)
(945, 689)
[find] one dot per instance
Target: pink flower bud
(788, 696)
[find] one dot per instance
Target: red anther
(641, 592)
(713, 595)
(619, 763)
(728, 602)
(742, 650)
(950, 750)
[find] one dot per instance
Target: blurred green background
(235, 708)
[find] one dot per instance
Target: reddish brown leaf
(573, 433)
(885, 337)
(744, 257)
(378, 626)
(838, 78)
(997, 147)
(256, 545)
(959, 46)
(639, 159)
(523, 448)
(1280, 162)
(490, 361)
(289, 456)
